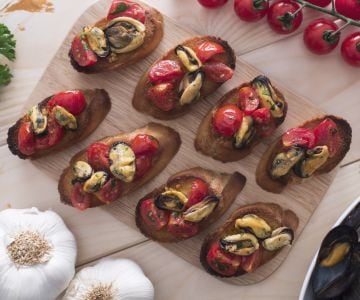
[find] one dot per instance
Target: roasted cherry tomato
(143, 164)
(165, 71)
(221, 262)
(152, 216)
(212, 3)
(327, 133)
(144, 144)
(82, 53)
(26, 139)
(125, 8)
(303, 137)
(281, 19)
(80, 199)
(251, 10)
(98, 156)
(262, 116)
(199, 190)
(218, 72)
(208, 49)
(227, 120)
(178, 227)
(321, 3)
(248, 100)
(163, 96)
(350, 49)
(319, 36)
(252, 262)
(110, 191)
(73, 101)
(53, 135)
(348, 8)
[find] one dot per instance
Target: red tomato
(251, 10)
(164, 71)
(80, 199)
(326, 133)
(208, 49)
(348, 8)
(144, 144)
(248, 99)
(98, 156)
(303, 137)
(252, 262)
(321, 3)
(152, 216)
(350, 49)
(26, 139)
(227, 120)
(280, 16)
(319, 37)
(143, 164)
(73, 101)
(262, 116)
(110, 191)
(54, 134)
(265, 130)
(218, 72)
(212, 3)
(199, 190)
(125, 8)
(82, 53)
(178, 227)
(221, 262)
(163, 96)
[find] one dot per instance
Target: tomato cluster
(321, 36)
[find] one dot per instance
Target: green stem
(340, 28)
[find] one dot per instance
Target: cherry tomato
(80, 199)
(73, 101)
(110, 191)
(178, 227)
(199, 190)
(208, 49)
(303, 137)
(164, 71)
(163, 96)
(280, 16)
(26, 139)
(54, 134)
(252, 262)
(125, 8)
(251, 10)
(248, 100)
(227, 120)
(144, 144)
(350, 49)
(82, 53)
(143, 164)
(98, 156)
(218, 72)
(262, 116)
(321, 3)
(212, 3)
(152, 216)
(221, 262)
(326, 133)
(319, 37)
(348, 8)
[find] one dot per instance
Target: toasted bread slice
(225, 186)
(272, 213)
(169, 144)
(209, 143)
(98, 104)
(265, 181)
(144, 105)
(153, 36)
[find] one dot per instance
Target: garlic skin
(117, 279)
(49, 273)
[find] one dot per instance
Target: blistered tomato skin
(251, 10)
(82, 53)
(199, 190)
(262, 116)
(79, 199)
(165, 71)
(53, 136)
(212, 3)
(163, 96)
(303, 137)
(218, 72)
(26, 139)
(144, 144)
(208, 49)
(143, 165)
(279, 16)
(180, 228)
(125, 8)
(73, 101)
(98, 156)
(227, 120)
(111, 191)
(327, 133)
(152, 216)
(248, 100)
(350, 49)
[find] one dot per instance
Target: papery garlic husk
(46, 265)
(115, 279)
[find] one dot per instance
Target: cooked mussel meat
(82, 170)
(313, 160)
(95, 182)
(240, 244)
(279, 238)
(97, 40)
(190, 87)
(284, 161)
(255, 225)
(122, 159)
(188, 57)
(245, 134)
(38, 120)
(64, 118)
(201, 210)
(172, 200)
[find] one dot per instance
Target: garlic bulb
(110, 280)
(37, 255)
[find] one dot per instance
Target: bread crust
(143, 105)
(209, 143)
(153, 35)
(98, 105)
(225, 186)
(272, 213)
(169, 144)
(266, 182)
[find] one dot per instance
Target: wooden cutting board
(302, 199)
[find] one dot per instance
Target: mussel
(190, 86)
(122, 159)
(255, 225)
(95, 182)
(313, 160)
(172, 200)
(240, 244)
(188, 57)
(201, 210)
(279, 238)
(97, 40)
(64, 118)
(38, 120)
(82, 170)
(284, 161)
(245, 134)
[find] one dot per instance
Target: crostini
(183, 76)
(58, 122)
(115, 166)
(130, 32)
(253, 235)
(316, 147)
(189, 202)
(240, 119)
